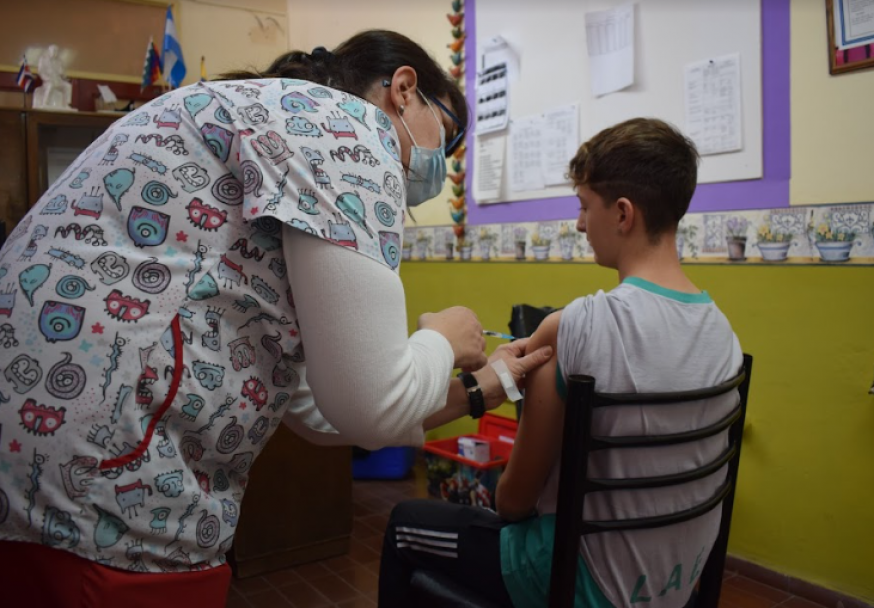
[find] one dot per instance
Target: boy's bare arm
(538, 441)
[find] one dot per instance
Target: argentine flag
(173, 65)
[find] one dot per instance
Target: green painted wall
(805, 503)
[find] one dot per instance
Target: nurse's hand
(518, 364)
(462, 328)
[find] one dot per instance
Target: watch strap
(474, 395)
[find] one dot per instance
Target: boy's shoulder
(547, 331)
(636, 299)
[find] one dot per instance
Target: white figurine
(56, 92)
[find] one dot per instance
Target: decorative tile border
(830, 234)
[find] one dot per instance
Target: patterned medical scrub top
(149, 344)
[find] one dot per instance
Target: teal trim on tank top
(560, 384)
(679, 296)
(526, 566)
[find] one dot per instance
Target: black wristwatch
(474, 395)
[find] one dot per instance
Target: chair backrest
(578, 442)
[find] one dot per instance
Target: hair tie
(320, 53)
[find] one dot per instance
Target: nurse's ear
(402, 88)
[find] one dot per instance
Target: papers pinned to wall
(497, 51)
(538, 150)
(610, 44)
(489, 167)
(713, 104)
(492, 101)
(526, 148)
(498, 67)
(561, 138)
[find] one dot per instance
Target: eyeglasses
(459, 135)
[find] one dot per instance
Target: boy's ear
(626, 215)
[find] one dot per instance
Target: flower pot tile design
(831, 234)
(714, 233)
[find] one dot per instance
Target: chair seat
(435, 590)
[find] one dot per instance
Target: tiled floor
(350, 581)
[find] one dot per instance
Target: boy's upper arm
(538, 441)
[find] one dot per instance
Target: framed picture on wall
(850, 25)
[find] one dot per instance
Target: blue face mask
(427, 172)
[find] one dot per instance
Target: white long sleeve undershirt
(366, 382)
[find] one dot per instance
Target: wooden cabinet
(297, 508)
(52, 138)
(13, 167)
(37, 145)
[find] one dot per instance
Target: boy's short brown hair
(645, 160)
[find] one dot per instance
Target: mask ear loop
(442, 147)
(410, 212)
(387, 83)
(404, 122)
(442, 135)
(439, 125)
(408, 169)
(438, 121)
(407, 210)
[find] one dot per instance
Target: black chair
(437, 590)
(578, 443)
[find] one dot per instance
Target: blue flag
(173, 65)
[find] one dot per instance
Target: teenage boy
(655, 332)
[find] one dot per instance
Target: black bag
(524, 319)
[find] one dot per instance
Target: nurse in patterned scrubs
(220, 261)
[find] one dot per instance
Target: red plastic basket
(458, 479)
